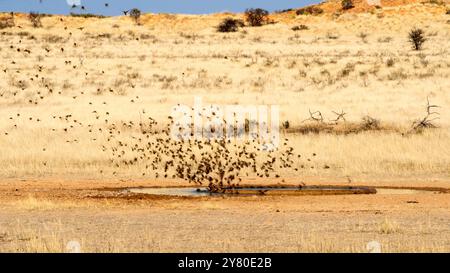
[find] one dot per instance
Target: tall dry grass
(73, 83)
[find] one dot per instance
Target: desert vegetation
(416, 38)
(230, 25)
(86, 99)
(313, 89)
(347, 4)
(135, 14)
(256, 17)
(35, 19)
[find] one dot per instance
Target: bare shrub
(230, 25)
(370, 123)
(338, 125)
(332, 36)
(256, 17)
(390, 62)
(145, 36)
(300, 27)
(427, 121)
(136, 15)
(312, 10)
(87, 15)
(347, 4)
(7, 22)
(363, 36)
(315, 116)
(51, 38)
(35, 19)
(386, 39)
(416, 38)
(398, 74)
(23, 34)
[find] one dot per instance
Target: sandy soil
(46, 215)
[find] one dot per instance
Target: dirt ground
(45, 216)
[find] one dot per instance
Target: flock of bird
(218, 162)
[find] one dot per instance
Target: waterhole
(304, 190)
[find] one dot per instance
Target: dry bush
(397, 75)
(390, 62)
(316, 124)
(332, 36)
(283, 11)
(363, 36)
(427, 121)
(416, 38)
(256, 17)
(23, 34)
(341, 128)
(347, 4)
(437, 2)
(370, 123)
(7, 22)
(145, 36)
(386, 39)
(388, 227)
(300, 27)
(230, 25)
(135, 14)
(35, 19)
(309, 11)
(52, 38)
(87, 15)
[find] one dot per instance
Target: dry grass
(389, 227)
(32, 203)
(131, 236)
(58, 95)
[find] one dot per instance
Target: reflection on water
(173, 191)
(306, 190)
(404, 191)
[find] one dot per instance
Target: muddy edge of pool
(271, 190)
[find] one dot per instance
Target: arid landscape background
(65, 84)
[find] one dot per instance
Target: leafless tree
(427, 120)
(339, 116)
